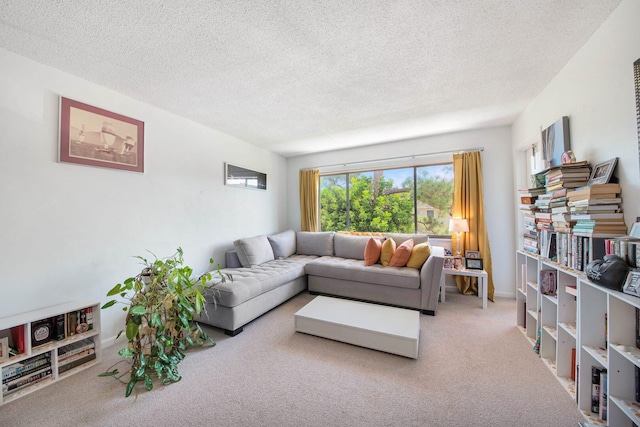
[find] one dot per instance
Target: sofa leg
(233, 333)
(429, 312)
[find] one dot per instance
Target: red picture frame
(95, 137)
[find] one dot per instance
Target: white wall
(497, 169)
(596, 90)
(69, 231)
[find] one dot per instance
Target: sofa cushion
(283, 244)
(251, 282)
(314, 243)
(401, 254)
(401, 238)
(253, 251)
(388, 248)
(347, 246)
(419, 255)
(372, 251)
(356, 270)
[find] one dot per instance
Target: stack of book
(75, 354)
(528, 208)
(597, 210)
(570, 175)
(544, 225)
(560, 219)
(28, 372)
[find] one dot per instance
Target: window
(388, 200)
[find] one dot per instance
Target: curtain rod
(413, 156)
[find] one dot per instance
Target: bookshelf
(598, 322)
(50, 344)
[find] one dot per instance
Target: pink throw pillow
(402, 254)
(372, 251)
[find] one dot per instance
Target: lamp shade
(458, 225)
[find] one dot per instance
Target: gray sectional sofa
(269, 270)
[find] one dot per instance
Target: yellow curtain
(309, 183)
(468, 203)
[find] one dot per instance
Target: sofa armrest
(232, 260)
(430, 276)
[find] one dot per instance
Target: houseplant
(161, 302)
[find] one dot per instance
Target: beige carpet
(474, 368)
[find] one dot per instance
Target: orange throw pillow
(388, 249)
(372, 251)
(402, 254)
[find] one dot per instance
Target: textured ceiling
(302, 76)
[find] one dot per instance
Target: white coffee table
(389, 329)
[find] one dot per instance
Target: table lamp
(458, 226)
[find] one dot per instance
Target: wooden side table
(482, 276)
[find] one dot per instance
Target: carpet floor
(474, 368)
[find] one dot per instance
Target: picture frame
(473, 264)
(636, 79)
(237, 176)
(93, 136)
(448, 262)
(472, 254)
(4, 348)
(632, 284)
(602, 172)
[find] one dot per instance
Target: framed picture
(457, 262)
(473, 264)
(4, 348)
(448, 262)
(636, 78)
(555, 141)
(237, 176)
(601, 173)
(472, 254)
(96, 137)
(632, 284)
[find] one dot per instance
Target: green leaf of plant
(115, 290)
(119, 333)
(130, 385)
(156, 319)
(140, 372)
(148, 382)
(109, 304)
(109, 373)
(184, 319)
(138, 310)
(199, 301)
(129, 280)
(126, 352)
(132, 330)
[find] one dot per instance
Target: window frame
(347, 174)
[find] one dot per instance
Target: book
(595, 201)
(548, 282)
(609, 188)
(17, 370)
(603, 396)
(573, 364)
(75, 348)
(17, 333)
(615, 215)
(70, 364)
(58, 327)
(595, 389)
